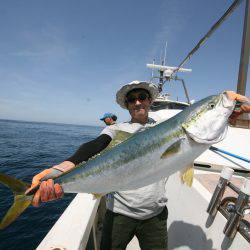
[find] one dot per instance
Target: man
(141, 212)
(109, 119)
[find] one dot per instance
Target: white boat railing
(72, 229)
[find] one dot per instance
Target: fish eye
(211, 105)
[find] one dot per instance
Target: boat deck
(209, 181)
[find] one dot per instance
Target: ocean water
(26, 148)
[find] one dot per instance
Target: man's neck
(140, 120)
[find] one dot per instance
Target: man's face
(138, 103)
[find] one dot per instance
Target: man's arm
(48, 190)
(89, 149)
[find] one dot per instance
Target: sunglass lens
(142, 97)
(131, 99)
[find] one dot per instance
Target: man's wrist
(64, 166)
(52, 174)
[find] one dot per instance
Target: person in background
(109, 119)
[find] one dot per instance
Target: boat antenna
(152, 73)
(165, 52)
(202, 41)
(161, 78)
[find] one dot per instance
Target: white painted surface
(237, 142)
(72, 229)
(164, 114)
(188, 227)
(227, 173)
(245, 188)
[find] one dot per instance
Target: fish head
(208, 119)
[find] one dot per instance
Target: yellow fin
(171, 150)
(21, 201)
(120, 137)
(187, 175)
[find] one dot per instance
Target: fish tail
(187, 175)
(21, 201)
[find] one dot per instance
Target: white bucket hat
(123, 91)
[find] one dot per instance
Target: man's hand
(243, 106)
(47, 191)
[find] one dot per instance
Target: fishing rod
(212, 148)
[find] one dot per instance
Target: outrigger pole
(230, 10)
(244, 52)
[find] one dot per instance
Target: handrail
(72, 229)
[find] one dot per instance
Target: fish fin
(17, 186)
(97, 196)
(172, 149)
(21, 201)
(187, 175)
(119, 137)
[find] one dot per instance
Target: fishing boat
(214, 213)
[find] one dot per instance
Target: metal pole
(161, 81)
(245, 51)
(184, 86)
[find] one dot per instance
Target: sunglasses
(141, 97)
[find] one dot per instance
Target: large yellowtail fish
(142, 158)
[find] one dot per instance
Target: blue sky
(63, 61)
